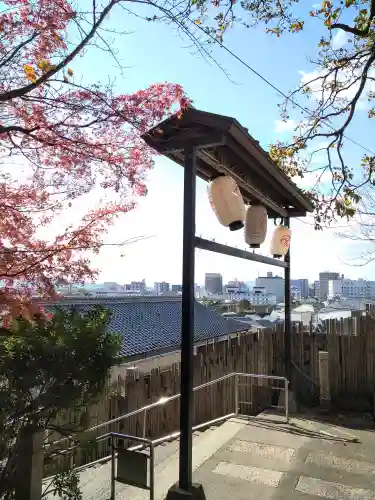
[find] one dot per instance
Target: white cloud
(285, 126)
(314, 80)
(339, 39)
(310, 179)
(321, 145)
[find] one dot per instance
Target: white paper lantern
(256, 225)
(227, 202)
(280, 241)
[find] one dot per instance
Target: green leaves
(297, 26)
(51, 365)
(69, 350)
(65, 485)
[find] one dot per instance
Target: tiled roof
(154, 323)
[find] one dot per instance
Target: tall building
(295, 293)
(273, 285)
(177, 288)
(324, 278)
(259, 297)
(315, 289)
(161, 287)
(302, 285)
(136, 287)
(213, 283)
(236, 287)
(351, 289)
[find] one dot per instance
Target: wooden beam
(189, 139)
(272, 173)
(212, 246)
(203, 141)
(293, 212)
(262, 177)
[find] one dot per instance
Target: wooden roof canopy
(225, 147)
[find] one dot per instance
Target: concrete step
(95, 480)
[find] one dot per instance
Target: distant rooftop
(304, 308)
(153, 324)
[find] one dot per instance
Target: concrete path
(95, 481)
(261, 459)
(306, 460)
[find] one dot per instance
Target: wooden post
(325, 393)
(29, 465)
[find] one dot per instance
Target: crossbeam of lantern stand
(219, 150)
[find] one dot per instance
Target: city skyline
(252, 281)
(265, 290)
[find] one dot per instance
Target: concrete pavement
(261, 459)
(305, 460)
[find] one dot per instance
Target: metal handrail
(159, 402)
(155, 442)
(124, 436)
(164, 400)
(143, 441)
(150, 470)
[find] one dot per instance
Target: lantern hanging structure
(203, 143)
(256, 225)
(227, 202)
(280, 241)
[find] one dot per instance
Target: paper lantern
(227, 202)
(280, 241)
(256, 225)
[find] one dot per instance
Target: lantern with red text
(256, 225)
(280, 241)
(227, 203)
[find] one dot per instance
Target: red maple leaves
(60, 140)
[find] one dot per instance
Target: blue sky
(154, 53)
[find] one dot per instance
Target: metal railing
(164, 400)
(123, 476)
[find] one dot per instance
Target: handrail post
(144, 422)
(152, 472)
(286, 395)
(236, 388)
(113, 467)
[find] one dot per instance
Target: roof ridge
(135, 298)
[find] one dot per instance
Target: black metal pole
(288, 317)
(187, 323)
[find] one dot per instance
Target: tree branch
(17, 49)
(11, 94)
(349, 29)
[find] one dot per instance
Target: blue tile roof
(154, 323)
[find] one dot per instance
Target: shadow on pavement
(297, 430)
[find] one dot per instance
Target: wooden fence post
(29, 465)
(325, 393)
